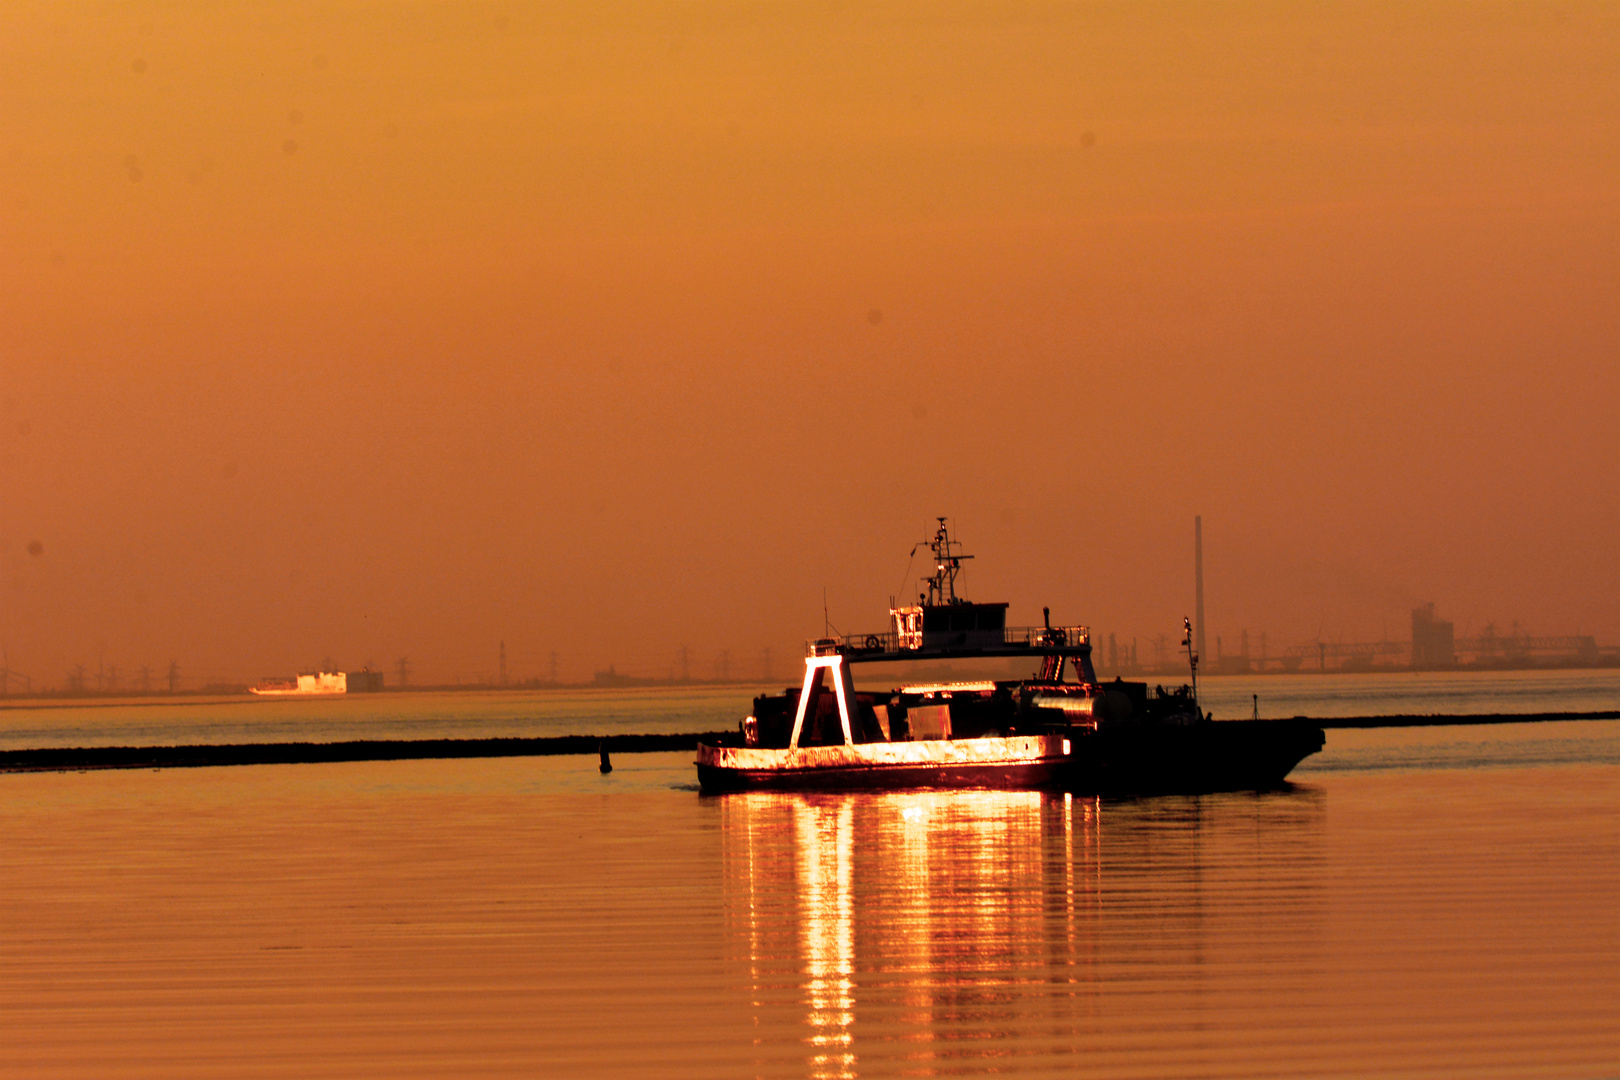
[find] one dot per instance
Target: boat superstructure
(1009, 734)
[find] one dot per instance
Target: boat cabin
(940, 619)
(962, 624)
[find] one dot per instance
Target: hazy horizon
(375, 331)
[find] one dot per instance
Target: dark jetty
(304, 753)
(64, 759)
(1441, 719)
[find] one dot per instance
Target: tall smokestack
(1198, 584)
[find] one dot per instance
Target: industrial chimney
(1198, 583)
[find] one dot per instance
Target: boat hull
(1124, 760)
(1015, 763)
(1225, 755)
(1029, 777)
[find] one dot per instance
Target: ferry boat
(1060, 728)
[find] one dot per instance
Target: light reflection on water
(936, 932)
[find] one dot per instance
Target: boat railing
(1012, 639)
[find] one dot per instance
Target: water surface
(1418, 907)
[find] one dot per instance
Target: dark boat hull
(1226, 755)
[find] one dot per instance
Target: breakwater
(56, 759)
(1443, 719)
(65, 759)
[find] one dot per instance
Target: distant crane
(403, 666)
(174, 676)
(6, 675)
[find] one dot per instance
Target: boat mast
(1192, 655)
(947, 564)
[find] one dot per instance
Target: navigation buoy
(606, 766)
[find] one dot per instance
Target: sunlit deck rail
(1011, 641)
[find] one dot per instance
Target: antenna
(947, 564)
(1192, 655)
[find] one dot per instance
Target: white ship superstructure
(320, 683)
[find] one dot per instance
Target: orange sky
(401, 329)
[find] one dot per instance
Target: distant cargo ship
(324, 682)
(320, 684)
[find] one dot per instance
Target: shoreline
(80, 759)
(57, 699)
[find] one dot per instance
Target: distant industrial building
(1435, 646)
(365, 681)
(1434, 641)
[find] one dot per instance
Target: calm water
(467, 714)
(1421, 903)
(488, 714)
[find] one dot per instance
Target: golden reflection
(928, 901)
(825, 843)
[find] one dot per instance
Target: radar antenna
(947, 564)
